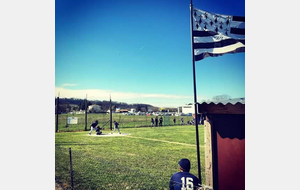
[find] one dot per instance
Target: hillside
(71, 104)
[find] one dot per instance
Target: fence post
(146, 123)
(71, 169)
(57, 105)
(85, 128)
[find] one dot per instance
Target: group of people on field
(154, 123)
(95, 126)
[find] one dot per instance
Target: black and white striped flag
(216, 34)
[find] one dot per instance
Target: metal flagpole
(85, 113)
(195, 96)
(57, 105)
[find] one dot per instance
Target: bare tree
(222, 97)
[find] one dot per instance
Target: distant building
(132, 110)
(94, 108)
(122, 111)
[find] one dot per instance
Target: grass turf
(146, 159)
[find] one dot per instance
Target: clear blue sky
(139, 51)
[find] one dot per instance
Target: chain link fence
(125, 121)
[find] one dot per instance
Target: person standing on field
(152, 122)
(160, 121)
(93, 126)
(184, 179)
(174, 121)
(116, 126)
(156, 121)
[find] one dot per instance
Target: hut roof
(230, 106)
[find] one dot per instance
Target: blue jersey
(116, 124)
(184, 180)
(94, 124)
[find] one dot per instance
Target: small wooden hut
(224, 144)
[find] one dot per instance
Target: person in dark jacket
(152, 122)
(116, 124)
(93, 126)
(98, 130)
(160, 121)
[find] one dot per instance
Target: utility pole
(57, 105)
(85, 113)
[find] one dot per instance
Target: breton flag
(216, 34)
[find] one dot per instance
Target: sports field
(145, 159)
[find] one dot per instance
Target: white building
(132, 110)
(94, 108)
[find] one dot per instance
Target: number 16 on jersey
(187, 183)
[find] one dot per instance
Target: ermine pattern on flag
(217, 34)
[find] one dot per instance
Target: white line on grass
(185, 144)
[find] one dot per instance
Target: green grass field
(145, 159)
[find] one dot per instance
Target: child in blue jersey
(152, 122)
(116, 124)
(184, 179)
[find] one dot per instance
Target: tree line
(71, 104)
